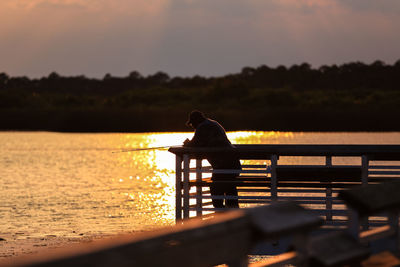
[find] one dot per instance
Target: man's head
(195, 118)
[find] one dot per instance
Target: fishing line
(144, 148)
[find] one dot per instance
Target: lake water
(71, 185)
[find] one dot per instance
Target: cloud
(230, 34)
(383, 6)
(187, 37)
(92, 37)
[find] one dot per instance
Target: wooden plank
(277, 260)
(186, 187)
(385, 172)
(336, 249)
(310, 199)
(383, 259)
(373, 198)
(274, 178)
(376, 233)
(328, 193)
(252, 179)
(364, 169)
(283, 218)
(178, 188)
(388, 167)
(267, 184)
(319, 184)
(236, 171)
(374, 152)
(318, 173)
(388, 156)
(230, 197)
(301, 190)
(199, 189)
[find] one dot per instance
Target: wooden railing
(264, 180)
(226, 239)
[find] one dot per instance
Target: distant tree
(378, 64)
(19, 83)
(158, 78)
(54, 76)
(3, 79)
(135, 75)
(304, 67)
(196, 81)
(107, 76)
(248, 71)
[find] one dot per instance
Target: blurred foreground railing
(229, 237)
(226, 238)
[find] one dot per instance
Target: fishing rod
(144, 148)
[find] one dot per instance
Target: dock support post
(186, 188)
(364, 182)
(274, 179)
(353, 224)
(178, 189)
(364, 169)
(328, 193)
(199, 188)
(393, 221)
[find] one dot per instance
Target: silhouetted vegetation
(349, 97)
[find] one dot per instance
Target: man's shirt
(210, 133)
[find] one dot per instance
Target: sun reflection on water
(155, 170)
(143, 188)
(258, 137)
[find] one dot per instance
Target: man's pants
(224, 189)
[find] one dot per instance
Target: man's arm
(199, 139)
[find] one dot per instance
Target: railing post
(353, 223)
(199, 188)
(328, 193)
(186, 188)
(364, 182)
(178, 188)
(393, 221)
(274, 179)
(364, 169)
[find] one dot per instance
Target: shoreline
(32, 245)
(21, 247)
(142, 121)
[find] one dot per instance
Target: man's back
(209, 133)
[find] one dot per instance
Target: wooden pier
(264, 180)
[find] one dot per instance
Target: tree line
(348, 97)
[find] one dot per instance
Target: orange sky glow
(188, 37)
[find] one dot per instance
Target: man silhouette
(209, 133)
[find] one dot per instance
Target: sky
(191, 37)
